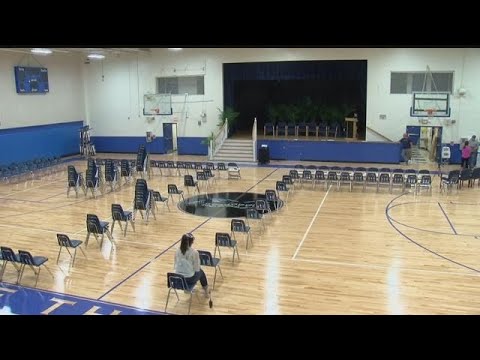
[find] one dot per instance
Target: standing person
(406, 143)
(473, 142)
(466, 152)
(187, 263)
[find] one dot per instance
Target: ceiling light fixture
(175, 49)
(96, 56)
(41, 51)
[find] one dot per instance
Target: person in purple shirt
(466, 152)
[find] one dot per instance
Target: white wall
(114, 105)
(64, 102)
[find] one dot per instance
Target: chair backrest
(271, 195)
(426, 180)
(172, 189)
(223, 239)
(72, 175)
(287, 179)
(281, 186)
(412, 179)
(332, 175)
(238, 225)
(188, 180)
(345, 176)
(63, 240)
(93, 224)
(294, 174)
(176, 281)
(8, 254)
(358, 177)
(232, 164)
(117, 212)
(210, 166)
(25, 257)
(253, 214)
(319, 175)
(371, 177)
(261, 204)
(206, 258)
(201, 175)
(221, 166)
(307, 174)
(465, 174)
(397, 179)
(384, 178)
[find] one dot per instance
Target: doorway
(170, 137)
(427, 140)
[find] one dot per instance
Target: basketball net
(430, 113)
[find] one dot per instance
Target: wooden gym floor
(325, 252)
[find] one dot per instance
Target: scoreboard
(31, 80)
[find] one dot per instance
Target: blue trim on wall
(455, 153)
(191, 146)
(32, 142)
(127, 144)
(342, 151)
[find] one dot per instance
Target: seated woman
(187, 263)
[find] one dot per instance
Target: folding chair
(177, 282)
(253, 214)
(97, 227)
(238, 225)
(188, 182)
(224, 239)
(157, 197)
(206, 259)
(34, 262)
(65, 242)
(9, 256)
(118, 214)
(173, 190)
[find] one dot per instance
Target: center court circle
(224, 204)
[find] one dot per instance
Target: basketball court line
(362, 265)
(446, 216)
(420, 229)
(387, 208)
(311, 223)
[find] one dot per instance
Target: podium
(263, 155)
(351, 127)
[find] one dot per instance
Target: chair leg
(220, 269)
(214, 278)
(125, 232)
(133, 225)
(168, 297)
(59, 251)
(113, 224)
(86, 240)
(73, 257)
(190, 305)
(20, 273)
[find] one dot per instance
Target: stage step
(235, 151)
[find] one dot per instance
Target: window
(191, 85)
(409, 82)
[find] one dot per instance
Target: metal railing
(254, 139)
(217, 142)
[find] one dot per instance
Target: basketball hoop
(430, 112)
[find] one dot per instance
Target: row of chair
(322, 129)
(28, 169)
(347, 178)
(20, 260)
